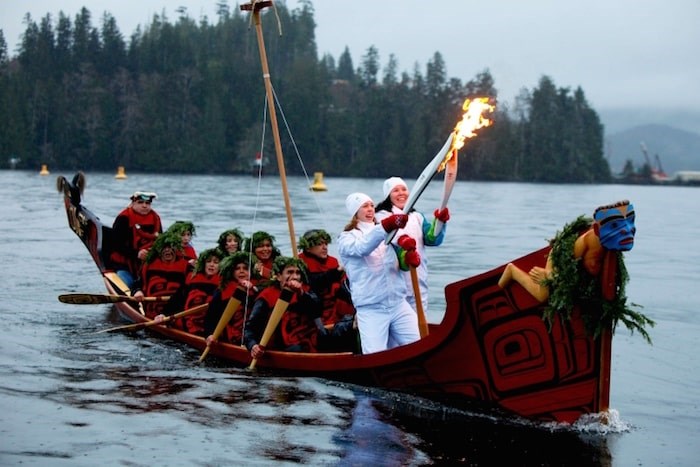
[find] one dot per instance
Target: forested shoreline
(187, 97)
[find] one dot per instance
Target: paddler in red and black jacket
(297, 330)
(186, 230)
(198, 289)
(164, 271)
(134, 230)
(235, 281)
(326, 276)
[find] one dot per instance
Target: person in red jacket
(235, 274)
(327, 278)
(230, 241)
(186, 230)
(262, 245)
(133, 232)
(198, 289)
(164, 271)
(297, 330)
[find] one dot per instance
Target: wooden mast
(255, 6)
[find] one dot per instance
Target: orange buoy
(121, 175)
(44, 170)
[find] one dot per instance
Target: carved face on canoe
(615, 226)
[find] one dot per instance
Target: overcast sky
(623, 53)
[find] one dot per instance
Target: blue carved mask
(616, 227)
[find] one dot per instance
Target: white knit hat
(391, 183)
(354, 201)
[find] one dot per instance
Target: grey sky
(623, 53)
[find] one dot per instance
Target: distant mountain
(677, 149)
(617, 120)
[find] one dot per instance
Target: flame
(473, 119)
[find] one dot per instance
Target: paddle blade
(204, 354)
(91, 299)
(97, 299)
(146, 324)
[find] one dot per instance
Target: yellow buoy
(121, 175)
(44, 170)
(318, 184)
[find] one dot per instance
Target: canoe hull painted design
(492, 349)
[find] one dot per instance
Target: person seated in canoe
(377, 286)
(327, 278)
(133, 232)
(230, 241)
(235, 273)
(186, 230)
(611, 229)
(164, 271)
(262, 245)
(199, 287)
(423, 232)
(297, 330)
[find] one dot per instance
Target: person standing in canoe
(164, 271)
(133, 232)
(395, 196)
(297, 330)
(262, 245)
(230, 241)
(377, 285)
(235, 272)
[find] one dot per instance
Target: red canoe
(491, 348)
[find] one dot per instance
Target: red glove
(395, 221)
(442, 215)
(412, 258)
(406, 242)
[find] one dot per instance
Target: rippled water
(69, 396)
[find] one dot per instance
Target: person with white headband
(395, 197)
(377, 286)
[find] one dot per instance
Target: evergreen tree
(187, 96)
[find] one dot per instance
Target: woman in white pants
(377, 286)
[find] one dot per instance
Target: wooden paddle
(422, 322)
(239, 295)
(97, 299)
(275, 317)
(145, 324)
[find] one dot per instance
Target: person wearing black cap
(133, 232)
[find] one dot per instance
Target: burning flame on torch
(473, 119)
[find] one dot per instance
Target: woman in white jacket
(395, 197)
(377, 285)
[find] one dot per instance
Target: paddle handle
(233, 303)
(275, 317)
(422, 321)
(146, 324)
(98, 299)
